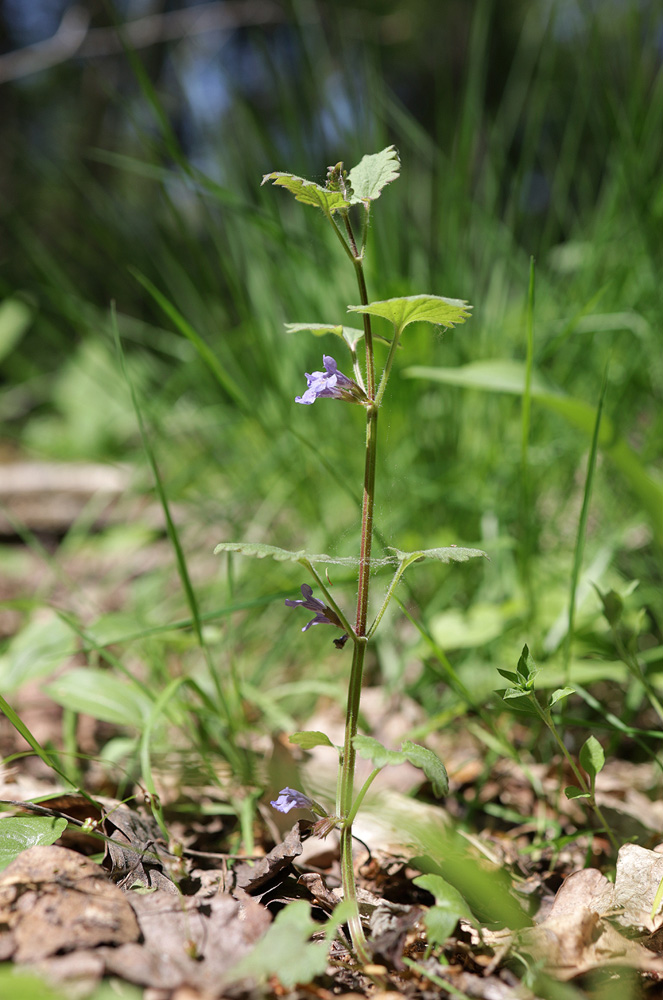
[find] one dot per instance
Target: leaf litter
(154, 919)
(197, 926)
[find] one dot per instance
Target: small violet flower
(290, 798)
(331, 383)
(323, 616)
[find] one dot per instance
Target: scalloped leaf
(373, 750)
(448, 554)
(430, 764)
(421, 757)
(418, 309)
(308, 192)
(373, 172)
(259, 551)
(310, 738)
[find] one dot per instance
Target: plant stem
(584, 785)
(347, 764)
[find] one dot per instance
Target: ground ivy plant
(346, 201)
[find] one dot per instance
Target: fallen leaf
(252, 877)
(52, 899)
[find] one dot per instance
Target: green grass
(205, 271)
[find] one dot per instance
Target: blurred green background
(135, 135)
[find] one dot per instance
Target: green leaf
(446, 895)
(18, 833)
(421, 757)
(101, 695)
(308, 192)
(518, 701)
(258, 551)
(511, 693)
(310, 738)
(285, 950)
(36, 651)
(372, 750)
(373, 173)
(559, 694)
(418, 309)
(572, 792)
(448, 554)
(350, 334)
(430, 764)
(509, 675)
(592, 757)
(440, 925)
(450, 906)
(527, 668)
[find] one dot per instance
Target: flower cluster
(331, 383)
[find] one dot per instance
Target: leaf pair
(366, 181)
(379, 756)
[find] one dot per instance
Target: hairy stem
(347, 765)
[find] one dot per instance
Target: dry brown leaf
(187, 941)
(639, 874)
(52, 899)
(252, 877)
(587, 889)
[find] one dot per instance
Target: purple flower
(290, 798)
(331, 383)
(323, 616)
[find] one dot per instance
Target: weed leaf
(308, 192)
(373, 172)
(310, 738)
(259, 551)
(101, 695)
(559, 694)
(451, 553)
(18, 833)
(430, 764)
(450, 906)
(379, 756)
(572, 792)
(350, 334)
(418, 309)
(592, 757)
(286, 951)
